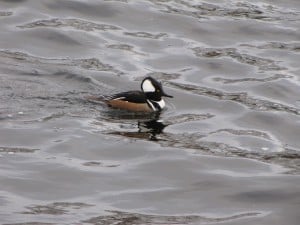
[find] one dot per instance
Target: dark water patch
(261, 63)
(183, 118)
(193, 141)
(83, 8)
(77, 24)
(135, 134)
(73, 76)
(232, 10)
(288, 158)
(88, 64)
(241, 97)
(51, 117)
(295, 46)
(47, 97)
(121, 47)
(252, 79)
(14, 1)
(99, 164)
(56, 208)
(92, 163)
(119, 217)
(205, 10)
(95, 64)
(253, 133)
(56, 37)
(153, 130)
(3, 13)
(142, 34)
(264, 196)
(17, 150)
(162, 76)
(124, 47)
(30, 223)
(14, 55)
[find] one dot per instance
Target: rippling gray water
(225, 151)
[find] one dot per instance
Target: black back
(131, 96)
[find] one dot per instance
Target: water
(225, 151)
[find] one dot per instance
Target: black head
(153, 89)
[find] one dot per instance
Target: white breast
(161, 103)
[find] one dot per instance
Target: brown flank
(137, 107)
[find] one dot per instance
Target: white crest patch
(147, 86)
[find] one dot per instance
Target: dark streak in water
(89, 64)
(17, 150)
(261, 63)
(288, 158)
(163, 76)
(83, 8)
(241, 97)
(2, 13)
(183, 118)
(253, 133)
(295, 46)
(30, 223)
(145, 35)
(234, 10)
(124, 47)
(118, 217)
(74, 23)
(14, 1)
(99, 164)
(252, 79)
(121, 47)
(56, 208)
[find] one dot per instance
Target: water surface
(225, 151)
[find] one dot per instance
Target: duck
(149, 99)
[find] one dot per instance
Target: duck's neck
(156, 105)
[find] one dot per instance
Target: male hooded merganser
(147, 100)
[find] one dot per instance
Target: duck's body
(148, 100)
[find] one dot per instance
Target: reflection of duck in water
(148, 100)
(152, 128)
(147, 130)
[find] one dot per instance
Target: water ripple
(231, 10)
(11, 150)
(56, 208)
(241, 97)
(89, 64)
(252, 79)
(119, 217)
(295, 46)
(141, 34)
(3, 13)
(77, 24)
(261, 63)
